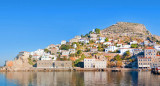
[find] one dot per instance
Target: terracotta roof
(144, 57)
(72, 59)
(89, 58)
(149, 48)
(64, 55)
(35, 55)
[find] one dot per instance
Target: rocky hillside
(126, 29)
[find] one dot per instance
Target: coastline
(68, 69)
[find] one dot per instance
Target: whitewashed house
(65, 52)
(53, 57)
(37, 57)
(107, 43)
(84, 40)
(111, 48)
(51, 46)
(75, 45)
(78, 37)
(126, 46)
(133, 42)
(45, 57)
(73, 40)
(123, 50)
(93, 36)
(63, 42)
(157, 47)
(72, 51)
(102, 39)
(119, 45)
(144, 43)
(37, 52)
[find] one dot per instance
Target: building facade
(63, 64)
(45, 64)
(94, 63)
(149, 60)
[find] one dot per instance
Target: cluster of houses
(47, 58)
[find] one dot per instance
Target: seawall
(68, 69)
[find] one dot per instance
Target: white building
(89, 63)
(157, 47)
(84, 40)
(111, 48)
(100, 63)
(145, 43)
(46, 57)
(72, 51)
(75, 45)
(51, 46)
(107, 43)
(133, 42)
(102, 39)
(94, 63)
(123, 50)
(126, 46)
(63, 42)
(37, 52)
(65, 52)
(119, 45)
(37, 57)
(93, 36)
(73, 40)
(53, 57)
(78, 37)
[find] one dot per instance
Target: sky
(28, 25)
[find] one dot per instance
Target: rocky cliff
(126, 29)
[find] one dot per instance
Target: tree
(106, 40)
(97, 31)
(127, 55)
(79, 52)
(134, 46)
(46, 50)
(78, 60)
(117, 58)
(65, 47)
(119, 64)
(91, 41)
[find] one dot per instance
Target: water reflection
(82, 78)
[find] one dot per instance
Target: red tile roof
(149, 48)
(72, 59)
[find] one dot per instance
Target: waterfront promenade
(68, 69)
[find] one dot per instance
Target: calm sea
(79, 79)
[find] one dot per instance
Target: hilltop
(131, 30)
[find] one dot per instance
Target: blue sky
(27, 25)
